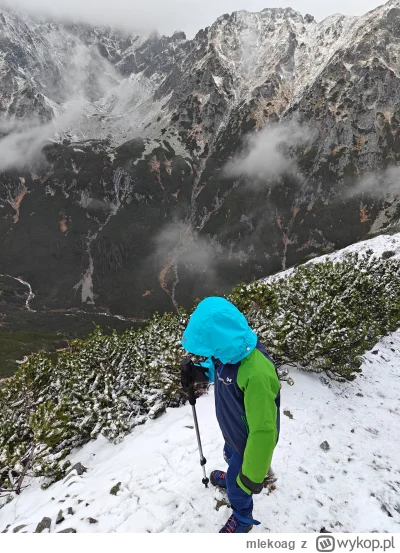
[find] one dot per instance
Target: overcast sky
(187, 15)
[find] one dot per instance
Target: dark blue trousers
(241, 502)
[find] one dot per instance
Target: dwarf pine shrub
(322, 317)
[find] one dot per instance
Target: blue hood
(218, 329)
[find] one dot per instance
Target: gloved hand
(192, 374)
(188, 373)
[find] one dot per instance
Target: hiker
(247, 400)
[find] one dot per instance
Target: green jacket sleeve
(257, 379)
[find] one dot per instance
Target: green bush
(322, 317)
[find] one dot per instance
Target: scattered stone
(288, 414)
(67, 495)
(324, 531)
(44, 524)
(157, 411)
(79, 468)
(360, 394)
(92, 520)
(60, 517)
(87, 504)
(18, 528)
(67, 531)
(353, 431)
(6, 529)
(386, 510)
(270, 482)
(115, 489)
(375, 352)
(325, 446)
(324, 380)
(190, 427)
(80, 501)
(70, 511)
(222, 503)
(62, 501)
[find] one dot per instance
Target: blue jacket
(247, 388)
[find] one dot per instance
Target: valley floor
(352, 487)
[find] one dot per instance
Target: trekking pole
(203, 460)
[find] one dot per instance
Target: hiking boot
(235, 526)
(218, 479)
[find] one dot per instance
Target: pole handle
(191, 395)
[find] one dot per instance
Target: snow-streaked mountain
(268, 59)
(163, 117)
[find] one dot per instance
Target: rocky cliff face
(151, 194)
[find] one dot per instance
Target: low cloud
(378, 184)
(181, 253)
(23, 141)
(269, 153)
(187, 15)
(179, 242)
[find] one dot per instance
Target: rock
(375, 352)
(80, 469)
(352, 431)
(115, 489)
(92, 520)
(70, 511)
(325, 446)
(324, 531)
(288, 414)
(67, 531)
(60, 517)
(222, 503)
(6, 529)
(157, 411)
(18, 528)
(270, 482)
(44, 524)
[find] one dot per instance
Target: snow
(248, 51)
(379, 245)
(352, 487)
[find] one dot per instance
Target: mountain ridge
(135, 189)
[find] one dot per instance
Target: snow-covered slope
(352, 487)
(380, 245)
